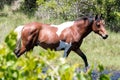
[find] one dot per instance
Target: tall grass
(97, 50)
(47, 65)
(10, 20)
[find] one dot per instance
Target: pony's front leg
(66, 53)
(67, 50)
(81, 54)
(66, 47)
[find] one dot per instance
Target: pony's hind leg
(27, 44)
(28, 41)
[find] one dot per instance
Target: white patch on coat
(63, 45)
(62, 26)
(18, 31)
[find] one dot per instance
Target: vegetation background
(40, 64)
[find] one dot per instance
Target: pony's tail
(18, 31)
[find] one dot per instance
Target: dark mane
(81, 18)
(84, 18)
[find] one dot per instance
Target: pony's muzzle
(105, 36)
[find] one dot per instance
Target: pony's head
(99, 26)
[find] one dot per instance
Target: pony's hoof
(86, 68)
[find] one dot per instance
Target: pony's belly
(57, 46)
(49, 46)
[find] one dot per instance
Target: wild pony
(67, 36)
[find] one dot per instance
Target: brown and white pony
(67, 36)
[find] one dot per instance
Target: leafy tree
(5, 2)
(29, 7)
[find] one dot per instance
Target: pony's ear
(101, 16)
(96, 17)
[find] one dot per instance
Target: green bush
(47, 65)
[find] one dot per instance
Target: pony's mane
(84, 18)
(89, 18)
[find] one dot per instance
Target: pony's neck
(87, 28)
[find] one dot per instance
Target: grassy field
(97, 50)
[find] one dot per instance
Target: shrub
(47, 65)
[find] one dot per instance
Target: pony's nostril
(105, 37)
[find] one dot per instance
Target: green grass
(97, 50)
(12, 20)
(8, 23)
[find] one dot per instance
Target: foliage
(46, 65)
(29, 7)
(110, 9)
(68, 10)
(4, 2)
